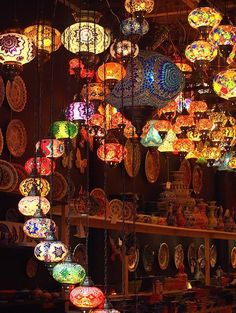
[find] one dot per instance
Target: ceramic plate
(201, 256)
(16, 138)
(128, 210)
(16, 94)
(133, 259)
(132, 160)
(100, 196)
(79, 254)
(213, 256)
(9, 177)
(192, 256)
(163, 256)
(197, 179)
(2, 91)
(148, 258)
(21, 174)
(152, 165)
(116, 208)
(233, 257)
(179, 255)
(1, 142)
(185, 167)
(59, 186)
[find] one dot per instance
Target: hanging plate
(1, 141)
(233, 257)
(2, 91)
(9, 177)
(132, 159)
(116, 208)
(16, 138)
(148, 258)
(179, 256)
(21, 174)
(163, 256)
(100, 196)
(197, 179)
(213, 256)
(133, 259)
(201, 256)
(152, 165)
(185, 167)
(16, 94)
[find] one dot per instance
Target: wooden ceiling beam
(189, 3)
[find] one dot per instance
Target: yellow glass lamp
(211, 154)
(194, 135)
(224, 37)
(167, 143)
(200, 52)
(30, 204)
(41, 184)
(204, 18)
(139, 7)
(224, 84)
(232, 163)
(95, 92)
(111, 72)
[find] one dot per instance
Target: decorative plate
(186, 168)
(5, 234)
(213, 256)
(2, 91)
(116, 208)
(128, 210)
(101, 198)
(179, 255)
(16, 94)
(132, 159)
(152, 165)
(9, 177)
(133, 259)
(31, 267)
(201, 256)
(16, 138)
(79, 254)
(1, 142)
(163, 256)
(148, 258)
(59, 186)
(233, 257)
(21, 174)
(197, 179)
(192, 256)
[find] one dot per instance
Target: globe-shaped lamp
(41, 184)
(111, 153)
(200, 52)
(51, 148)
(79, 111)
(64, 130)
(30, 204)
(134, 27)
(43, 165)
(111, 72)
(139, 7)
(38, 227)
(224, 84)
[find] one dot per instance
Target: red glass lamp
(111, 153)
(51, 148)
(183, 145)
(43, 165)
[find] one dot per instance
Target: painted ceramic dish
(16, 94)
(59, 186)
(21, 174)
(116, 208)
(197, 179)
(233, 257)
(163, 256)
(128, 210)
(152, 165)
(9, 177)
(16, 138)
(100, 196)
(148, 258)
(132, 160)
(192, 256)
(1, 142)
(185, 167)
(2, 91)
(201, 256)
(179, 255)
(213, 256)
(133, 259)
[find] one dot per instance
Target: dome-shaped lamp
(30, 204)
(211, 154)
(167, 143)
(134, 27)
(224, 84)
(43, 165)
(111, 72)
(46, 39)
(41, 184)
(204, 126)
(79, 111)
(86, 297)
(123, 50)
(139, 7)
(15, 50)
(183, 146)
(184, 122)
(64, 130)
(150, 136)
(95, 92)
(51, 148)
(38, 227)
(112, 153)
(197, 108)
(107, 308)
(68, 273)
(162, 126)
(169, 110)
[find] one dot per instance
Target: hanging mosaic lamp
(195, 154)
(111, 72)
(38, 227)
(184, 121)
(46, 38)
(183, 145)
(204, 18)
(211, 154)
(134, 27)
(216, 136)
(200, 52)
(51, 148)
(107, 308)
(194, 135)
(162, 126)
(139, 7)
(50, 250)
(232, 56)
(95, 92)
(232, 163)
(41, 184)
(68, 272)
(43, 165)
(217, 117)
(167, 143)
(86, 297)
(64, 130)
(30, 204)
(15, 51)
(224, 161)
(79, 111)
(86, 36)
(111, 153)
(77, 68)
(196, 108)
(169, 110)
(150, 136)
(224, 84)
(183, 65)
(123, 50)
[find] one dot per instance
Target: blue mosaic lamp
(133, 26)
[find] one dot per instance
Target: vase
(212, 221)
(180, 219)
(202, 208)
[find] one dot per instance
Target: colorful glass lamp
(30, 204)
(123, 50)
(201, 52)
(40, 184)
(134, 27)
(107, 308)
(224, 84)
(38, 227)
(79, 111)
(95, 92)
(111, 72)
(43, 165)
(15, 50)
(112, 153)
(64, 130)
(139, 7)
(150, 136)
(51, 148)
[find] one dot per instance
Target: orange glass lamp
(204, 124)
(211, 154)
(123, 50)
(183, 65)
(15, 50)
(111, 72)
(95, 92)
(111, 153)
(183, 146)
(201, 52)
(51, 148)
(218, 117)
(46, 38)
(196, 108)
(184, 121)
(43, 165)
(30, 204)
(86, 297)
(40, 184)
(216, 136)
(169, 110)
(162, 126)
(139, 7)
(232, 163)
(224, 84)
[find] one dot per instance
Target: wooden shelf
(145, 228)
